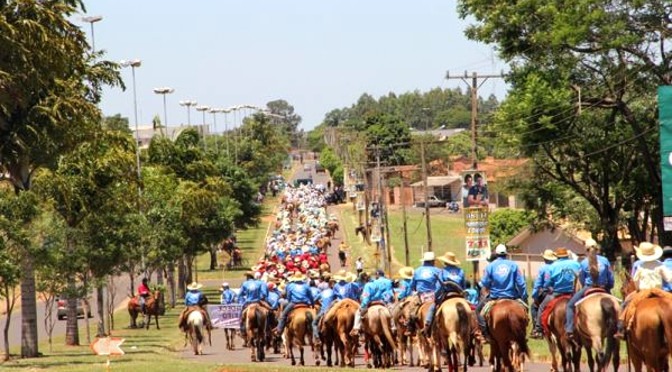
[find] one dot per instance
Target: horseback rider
(559, 280)
(194, 300)
(143, 294)
(503, 280)
(372, 292)
(604, 277)
(426, 280)
(228, 296)
(343, 288)
(326, 298)
(471, 294)
(538, 292)
(297, 292)
(451, 281)
(404, 287)
(252, 291)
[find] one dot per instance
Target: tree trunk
(10, 300)
(111, 295)
(87, 325)
(159, 276)
(71, 326)
(171, 283)
(181, 277)
(213, 258)
(49, 321)
(100, 305)
(131, 275)
(29, 335)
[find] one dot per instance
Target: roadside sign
(107, 346)
(225, 316)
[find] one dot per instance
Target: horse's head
(628, 285)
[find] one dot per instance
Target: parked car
(61, 309)
(319, 168)
(433, 201)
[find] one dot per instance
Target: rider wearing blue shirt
(538, 292)
(370, 293)
(194, 301)
(471, 294)
(426, 280)
(605, 280)
(559, 279)
(451, 281)
(667, 262)
(252, 291)
(228, 296)
(273, 297)
(385, 287)
(297, 292)
(404, 288)
(327, 298)
(503, 279)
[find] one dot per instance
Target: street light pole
(188, 104)
(133, 64)
(163, 91)
(214, 112)
(203, 109)
(92, 20)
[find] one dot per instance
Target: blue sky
(317, 55)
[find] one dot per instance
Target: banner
(665, 117)
(477, 239)
(225, 316)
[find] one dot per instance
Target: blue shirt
(561, 275)
(327, 297)
(356, 289)
(425, 279)
(539, 281)
(343, 290)
(370, 294)
(454, 274)
(273, 299)
(404, 289)
(228, 297)
(605, 277)
(472, 295)
(384, 286)
(192, 298)
(504, 279)
(315, 292)
(299, 293)
(252, 291)
(667, 286)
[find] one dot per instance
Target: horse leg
(615, 353)
(553, 349)
(591, 361)
(156, 317)
(301, 360)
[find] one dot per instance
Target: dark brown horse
(335, 332)
(556, 337)
(154, 306)
(508, 323)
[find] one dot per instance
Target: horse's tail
(609, 315)
(664, 309)
(464, 323)
(593, 266)
(385, 324)
(309, 323)
(518, 327)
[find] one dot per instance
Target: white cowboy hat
(449, 258)
(648, 251)
(549, 255)
(340, 275)
(406, 272)
(194, 286)
(297, 277)
(428, 256)
(590, 242)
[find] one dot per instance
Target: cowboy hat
(340, 275)
(406, 272)
(561, 253)
(590, 242)
(249, 274)
(449, 258)
(350, 277)
(194, 286)
(648, 251)
(297, 277)
(549, 255)
(428, 256)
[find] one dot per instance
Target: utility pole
(403, 216)
(474, 122)
(428, 223)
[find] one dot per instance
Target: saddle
(549, 310)
(300, 306)
(590, 292)
(375, 303)
(485, 311)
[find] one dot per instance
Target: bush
(506, 223)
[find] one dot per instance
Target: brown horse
(507, 323)
(425, 345)
(597, 315)
(230, 336)
(400, 315)
(453, 330)
(299, 330)
(255, 327)
(378, 335)
(557, 340)
(335, 332)
(154, 306)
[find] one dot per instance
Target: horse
(378, 335)
(556, 337)
(401, 316)
(335, 332)
(195, 325)
(425, 344)
(507, 324)
(453, 330)
(597, 315)
(255, 327)
(299, 329)
(154, 306)
(230, 336)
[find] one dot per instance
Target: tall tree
(49, 86)
(287, 118)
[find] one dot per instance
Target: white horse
(195, 327)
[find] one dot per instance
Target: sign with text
(225, 316)
(477, 239)
(665, 118)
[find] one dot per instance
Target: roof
(438, 181)
(557, 232)
(493, 168)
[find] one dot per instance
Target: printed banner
(477, 239)
(665, 117)
(225, 316)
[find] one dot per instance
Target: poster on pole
(475, 204)
(225, 316)
(665, 118)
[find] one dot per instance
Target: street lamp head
(164, 90)
(131, 63)
(188, 103)
(92, 19)
(202, 108)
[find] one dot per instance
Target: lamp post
(203, 109)
(188, 104)
(163, 91)
(133, 64)
(226, 131)
(92, 20)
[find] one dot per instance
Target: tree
(117, 123)
(49, 86)
(505, 223)
(581, 101)
(289, 122)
